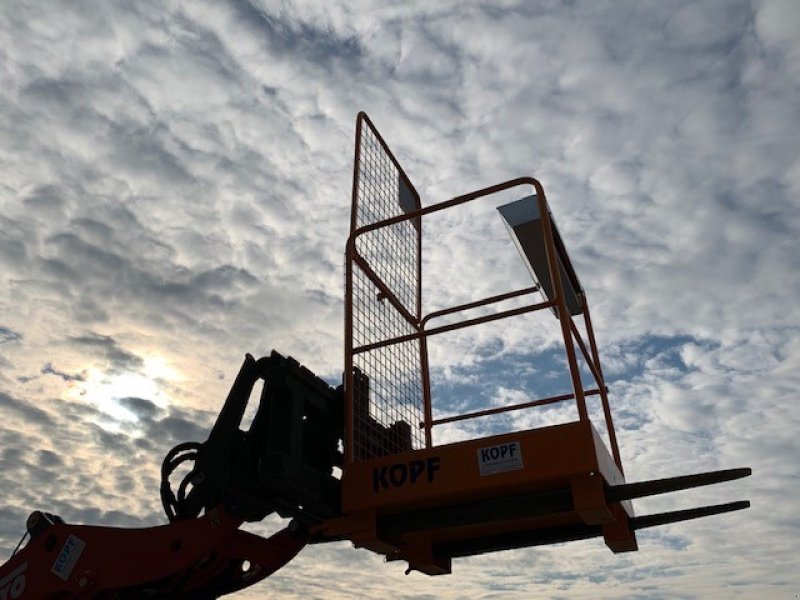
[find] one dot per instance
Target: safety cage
(410, 499)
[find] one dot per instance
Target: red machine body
(192, 559)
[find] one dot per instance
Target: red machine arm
(283, 463)
(197, 558)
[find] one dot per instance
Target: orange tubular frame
(409, 499)
(569, 330)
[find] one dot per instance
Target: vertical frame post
(561, 305)
(601, 384)
(349, 417)
(423, 345)
(426, 389)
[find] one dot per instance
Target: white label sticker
(500, 458)
(68, 557)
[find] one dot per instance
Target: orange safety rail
(387, 379)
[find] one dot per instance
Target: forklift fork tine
(676, 516)
(640, 489)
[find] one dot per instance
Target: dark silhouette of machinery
(399, 494)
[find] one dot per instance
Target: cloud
(175, 192)
(108, 348)
(48, 369)
(6, 335)
(141, 407)
(30, 413)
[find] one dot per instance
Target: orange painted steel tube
(512, 407)
(384, 289)
(423, 347)
(444, 328)
(598, 377)
(426, 389)
(446, 204)
(612, 434)
(348, 441)
(561, 305)
(490, 300)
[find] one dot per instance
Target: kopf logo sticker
(500, 458)
(70, 553)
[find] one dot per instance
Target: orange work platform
(519, 489)
(410, 499)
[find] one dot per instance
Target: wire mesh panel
(383, 298)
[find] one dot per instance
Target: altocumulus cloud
(174, 192)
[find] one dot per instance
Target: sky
(175, 192)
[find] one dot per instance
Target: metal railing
(418, 330)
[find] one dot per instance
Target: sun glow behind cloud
(105, 390)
